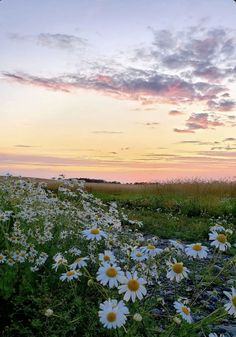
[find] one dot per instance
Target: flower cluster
(82, 239)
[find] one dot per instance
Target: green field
(174, 210)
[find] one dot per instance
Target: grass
(42, 234)
(178, 209)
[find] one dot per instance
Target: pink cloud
(175, 113)
(183, 130)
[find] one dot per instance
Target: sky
(128, 90)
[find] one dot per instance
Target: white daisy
(151, 250)
(230, 306)
(70, 275)
(112, 314)
(219, 240)
(177, 271)
(109, 274)
(107, 256)
(2, 258)
(59, 260)
(177, 244)
(138, 255)
(196, 250)
(132, 286)
(75, 251)
(217, 228)
(94, 234)
(79, 262)
(215, 335)
(183, 311)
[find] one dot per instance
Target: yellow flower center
(133, 285)
(111, 272)
(106, 258)
(151, 247)
(139, 254)
(1, 257)
(221, 238)
(178, 267)
(234, 301)
(185, 310)
(197, 247)
(111, 316)
(78, 259)
(70, 273)
(94, 231)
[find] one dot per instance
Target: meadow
(178, 209)
(117, 260)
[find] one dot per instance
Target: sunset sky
(128, 90)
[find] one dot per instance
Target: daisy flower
(138, 255)
(132, 286)
(112, 314)
(59, 260)
(109, 274)
(70, 275)
(230, 306)
(215, 335)
(75, 251)
(177, 244)
(107, 256)
(2, 258)
(94, 234)
(79, 262)
(196, 250)
(151, 250)
(217, 228)
(177, 271)
(183, 311)
(219, 240)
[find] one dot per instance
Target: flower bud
(137, 317)
(177, 320)
(48, 312)
(90, 283)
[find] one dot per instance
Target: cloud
(227, 148)
(198, 142)
(152, 124)
(54, 84)
(218, 154)
(189, 142)
(61, 41)
(175, 113)
(197, 121)
(202, 121)
(229, 139)
(23, 146)
(145, 86)
(183, 130)
(159, 155)
(221, 105)
(184, 67)
(106, 132)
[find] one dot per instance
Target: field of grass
(73, 265)
(178, 209)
